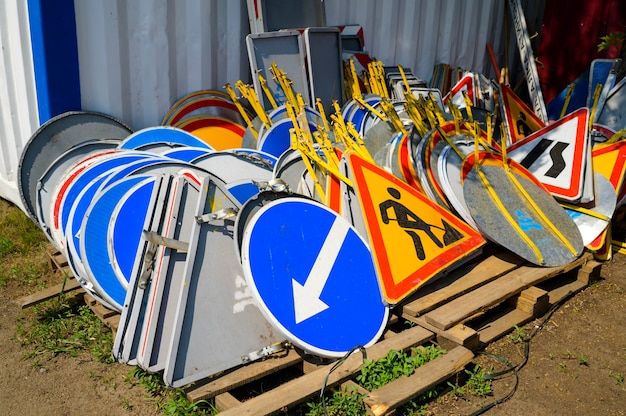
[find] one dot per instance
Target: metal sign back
(215, 299)
(286, 50)
(55, 137)
(325, 65)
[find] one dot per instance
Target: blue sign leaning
(313, 277)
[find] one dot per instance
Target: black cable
(515, 369)
(333, 368)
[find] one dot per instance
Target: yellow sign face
(521, 121)
(413, 239)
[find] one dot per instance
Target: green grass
(18, 233)
(64, 326)
(478, 383)
(373, 375)
(22, 251)
(171, 402)
(347, 402)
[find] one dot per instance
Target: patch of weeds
(519, 335)
(27, 276)
(63, 326)
(152, 382)
(20, 229)
(478, 383)
(179, 405)
(7, 246)
(568, 354)
(169, 401)
(618, 377)
(582, 360)
(127, 405)
(376, 373)
(346, 401)
(562, 366)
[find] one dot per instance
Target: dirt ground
(576, 364)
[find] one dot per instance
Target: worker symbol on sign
(412, 223)
(522, 127)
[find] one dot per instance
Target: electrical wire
(516, 368)
(333, 368)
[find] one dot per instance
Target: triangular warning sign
(519, 119)
(465, 84)
(609, 160)
(557, 155)
(412, 238)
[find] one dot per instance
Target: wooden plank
(450, 338)
(56, 259)
(301, 388)
(533, 300)
(226, 401)
(564, 291)
(503, 325)
(244, 375)
(400, 391)
(495, 292)
(481, 273)
(590, 272)
(49, 293)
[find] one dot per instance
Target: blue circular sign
(162, 134)
(310, 271)
(113, 225)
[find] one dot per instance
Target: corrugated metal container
(134, 59)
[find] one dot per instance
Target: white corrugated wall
(18, 103)
(137, 57)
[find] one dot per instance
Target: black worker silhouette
(410, 221)
(522, 127)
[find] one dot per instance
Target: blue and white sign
(310, 272)
(172, 136)
(112, 227)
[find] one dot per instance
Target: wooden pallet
(478, 308)
(58, 264)
(109, 317)
(305, 384)
(461, 312)
(462, 315)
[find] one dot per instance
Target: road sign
(574, 95)
(127, 336)
(163, 291)
(597, 215)
(218, 325)
(557, 155)
(55, 137)
(449, 166)
(611, 114)
(465, 85)
(162, 134)
(528, 60)
(56, 171)
(610, 161)
(519, 119)
(412, 238)
(310, 272)
(512, 208)
(115, 218)
(599, 72)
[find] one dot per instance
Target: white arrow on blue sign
(313, 277)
